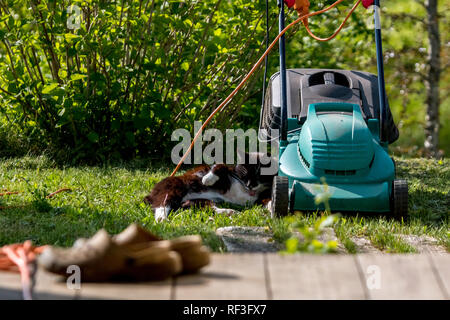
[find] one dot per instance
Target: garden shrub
(132, 72)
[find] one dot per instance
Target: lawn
(111, 198)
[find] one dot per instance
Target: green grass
(111, 198)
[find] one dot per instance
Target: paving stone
(423, 243)
(363, 245)
(248, 239)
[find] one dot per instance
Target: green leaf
(71, 38)
(77, 76)
(185, 66)
(61, 113)
(291, 245)
(93, 137)
(332, 245)
(62, 73)
(49, 88)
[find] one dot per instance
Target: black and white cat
(240, 185)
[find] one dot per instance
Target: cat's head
(253, 168)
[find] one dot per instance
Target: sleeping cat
(241, 185)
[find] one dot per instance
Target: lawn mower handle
(283, 85)
(380, 68)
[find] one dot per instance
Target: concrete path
(272, 276)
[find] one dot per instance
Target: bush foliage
(132, 72)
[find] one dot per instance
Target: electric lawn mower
(334, 124)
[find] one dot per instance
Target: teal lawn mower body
(341, 148)
(334, 127)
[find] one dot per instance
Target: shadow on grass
(58, 226)
(431, 207)
(61, 226)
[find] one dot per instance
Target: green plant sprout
(39, 200)
(309, 238)
(324, 196)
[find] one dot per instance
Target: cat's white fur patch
(199, 174)
(161, 213)
(259, 188)
(209, 179)
(224, 210)
(237, 194)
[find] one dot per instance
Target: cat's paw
(161, 213)
(209, 179)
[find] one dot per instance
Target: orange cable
(255, 66)
(19, 258)
(8, 193)
(337, 30)
(51, 195)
